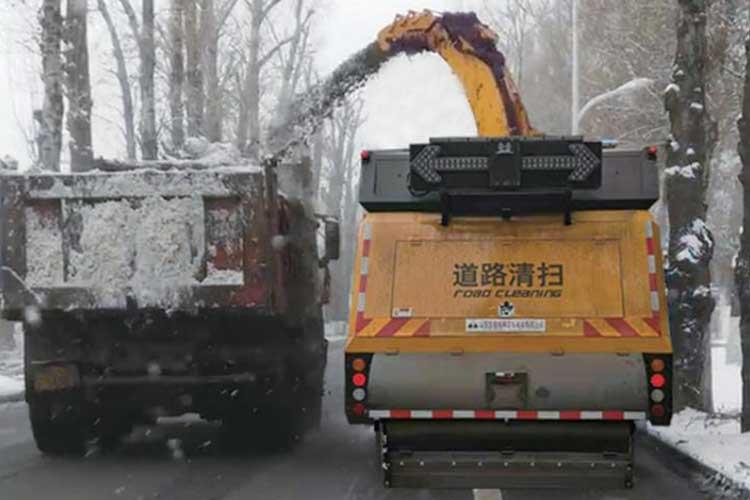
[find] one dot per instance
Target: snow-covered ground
(713, 441)
(11, 369)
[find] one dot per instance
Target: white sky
(408, 101)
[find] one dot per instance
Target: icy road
(179, 460)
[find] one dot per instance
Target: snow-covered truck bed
(177, 240)
(160, 291)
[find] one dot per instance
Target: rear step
(506, 454)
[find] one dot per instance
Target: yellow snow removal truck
(508, 322)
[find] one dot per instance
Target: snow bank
(9, 386)
(694, 243)
(715, 442)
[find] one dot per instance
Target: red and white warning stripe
(506, 415)
(364, 265)
(652, 276)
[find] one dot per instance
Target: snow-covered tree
(53, 109)
(687, 174)
(78, 85)
(742, 271)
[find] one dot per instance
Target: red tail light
(358, 409)
(652, 152)
(658, 380)
(359, 379)
(657, 410)
(359, 365)
(364, 155)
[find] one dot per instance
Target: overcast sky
(408, 101)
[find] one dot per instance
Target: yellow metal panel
(404, 270)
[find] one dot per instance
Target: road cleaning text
(507, 280)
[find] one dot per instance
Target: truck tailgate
(530, 284)
(177, 240)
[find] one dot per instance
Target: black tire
(57, 424)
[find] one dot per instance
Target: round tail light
(358, 409)
(359, 379)
(657, 410)
(658, 380)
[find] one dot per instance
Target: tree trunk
(742, 270)
(149, 143)
(123, 80)
(210, 58)
(78, 85)
(690, 241)
(50, 133)
(176, 75)
(252, 83)
(194, 91)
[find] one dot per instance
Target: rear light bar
(659, 381)
(357, 372)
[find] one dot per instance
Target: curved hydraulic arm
(469, 48)
(467, 45)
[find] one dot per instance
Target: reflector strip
(506, 415)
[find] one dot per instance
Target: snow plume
(695, 243)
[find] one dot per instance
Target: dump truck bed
(174, 240)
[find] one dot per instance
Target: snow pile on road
(713, 441)
(11, 369)
(695, 242)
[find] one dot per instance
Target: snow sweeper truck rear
(508, 322)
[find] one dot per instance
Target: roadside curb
(719, 485)
(13, 397)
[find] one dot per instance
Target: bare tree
(123, 80)
(248, 124)
(177, 73)
(149, 141)
(147, 54)
(742, 271)
(339, 143)
(690, 241)
(78, 85)
(50, 129)
(194, 88)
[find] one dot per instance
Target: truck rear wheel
(57, 424)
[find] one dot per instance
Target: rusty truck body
(154, 292)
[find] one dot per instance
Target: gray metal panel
(568, 382)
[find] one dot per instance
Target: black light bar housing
(505, 164)
(508, 176)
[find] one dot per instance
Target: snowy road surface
(336, 463)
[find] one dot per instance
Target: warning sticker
(506, 325)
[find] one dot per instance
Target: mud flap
(467, 454)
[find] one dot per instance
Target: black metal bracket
(505, 204)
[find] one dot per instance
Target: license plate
(55, 378)
(515, 325)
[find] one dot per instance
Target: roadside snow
(9, 386)
(715, 442)
(694, 242)
(688, 171)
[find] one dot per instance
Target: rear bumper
(506, 455)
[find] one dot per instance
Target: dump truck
(508, 321)
(154, 290)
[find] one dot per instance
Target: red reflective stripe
(589, 330)
(527, 415)
(570, 415)
(400, 413)
(423, 330)
(362, 322)
(654, 322)
(362, 283)
(622, 327)
(365, 248)
(613, 415)
(484, 414)
(442, 414)
(652, 282)
(393, 326)
(650, 246)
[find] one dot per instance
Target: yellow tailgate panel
(539, 278)
(541, 286)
